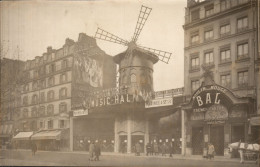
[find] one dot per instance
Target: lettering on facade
(159, 102)
(80, 112)
(209, 99)
(216, 113)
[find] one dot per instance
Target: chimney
(49, 49)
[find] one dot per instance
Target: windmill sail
(143, 16)
(106, 36)
(162, 55)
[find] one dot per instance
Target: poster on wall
(88, 71)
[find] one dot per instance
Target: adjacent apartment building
(56, 82)
(220, 42)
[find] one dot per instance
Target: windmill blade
(162, 55)
(106, 36)
(143, 16)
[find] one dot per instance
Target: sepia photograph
(130, 83)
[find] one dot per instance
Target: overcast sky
(34, 25)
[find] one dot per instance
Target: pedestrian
(91, 151)
(211, 151)
(137, 148)
(34, 148)
(171, 149)
(163, 148)
(155, 148)
(97, 151)
(148, 149)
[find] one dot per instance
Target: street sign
(159, 102)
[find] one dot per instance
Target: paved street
(24, 157)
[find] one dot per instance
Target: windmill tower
(136, 63)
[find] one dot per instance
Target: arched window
(42, 111)
(63, 93)
(133, 78)
(50, 109)
(34, 99)
(50, 95)
(25, 100)
(63, 107)
(25, 113)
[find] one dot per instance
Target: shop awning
(255, 121)
(23, 136)
(43, 135)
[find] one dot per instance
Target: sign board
(80, 112)
(159, 103)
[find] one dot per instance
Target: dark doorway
(137, 139)
(122, 143)
(197, 140)
(217, 139)
(238, 133)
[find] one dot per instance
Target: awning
(255, 121)
(43, 135)
(23, 136)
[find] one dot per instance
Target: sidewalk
(175, 156)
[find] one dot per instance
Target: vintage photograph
(130, 83)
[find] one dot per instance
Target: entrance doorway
(137, 139)
(122, 143)
(197, 140)
(217, 139)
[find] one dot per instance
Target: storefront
(22, 140)
(215, 115)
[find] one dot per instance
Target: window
(34, 99)
(225, 80)
(64, 64)
(225, 55)
(63, 92)
(242, 78)
(25, 113)
(50, 124)
(35, 85)
(242, 23)
(225, 29)
(224, 4)
(209, 10)
(42, 111)
(195, 15)
(50, 95)
(209, 58)
(34, 112)
(195, 63)
(35, 73)
(42, 97)
(195, 39)
(208, 34)
(195, 85)
(63, 107)
(42, 84)
(25, 100)
(63, 78)
(51, 81)
(133, 78)
(41, 124)
(26, 88)
(50, 109)
(52, 68)
(62, 123)
(242, 50)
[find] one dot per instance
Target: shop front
(22, 140)
(216, 116)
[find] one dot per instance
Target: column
(146, 135)
(116, 144)
(129, 143)
(183, 132)
(71, 133)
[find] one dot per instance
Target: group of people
(94, 151)
(153, 149)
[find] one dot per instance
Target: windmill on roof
(136, 63)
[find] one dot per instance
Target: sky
(29, 27)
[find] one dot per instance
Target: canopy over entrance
(44, 135)
(23, 136)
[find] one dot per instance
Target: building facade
(54, 83)
(220, 49)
